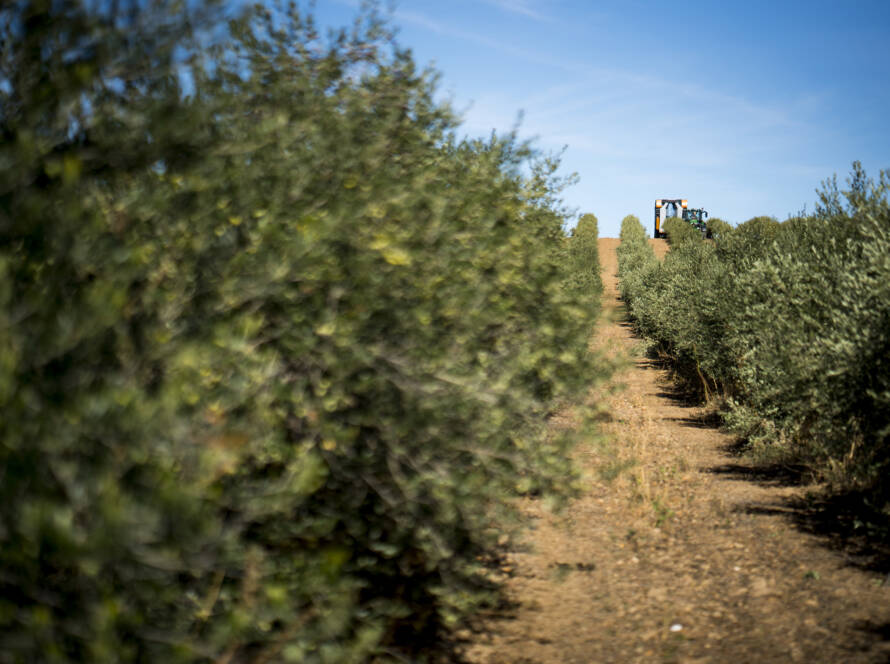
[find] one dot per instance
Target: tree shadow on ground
(875, 646)
(879, 630)
(678, 394)
(478, 630)
(848, 525)
(771, 475)
(708, 420)
(451, 645)
(844, 523)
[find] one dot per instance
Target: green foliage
(718, 229)
(679, 231)
(637, 265)
(634, 253)
(669, 300)
(583, 262)
(275, 347)
(791, 323)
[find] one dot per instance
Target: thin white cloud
(522, 7)
(415, 18)
(616, 93)
(422, 21)
(634, 120)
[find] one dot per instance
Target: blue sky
(743, 108)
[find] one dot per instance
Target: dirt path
(685, 555)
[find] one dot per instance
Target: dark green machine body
(696, 217)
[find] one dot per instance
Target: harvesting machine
(679, 207)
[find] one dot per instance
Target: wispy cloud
(525, 54)
(522, 7)
(592, 86)
(632, 120)
(422, 21)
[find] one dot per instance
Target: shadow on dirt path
(678, 551)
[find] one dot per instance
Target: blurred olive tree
(583, 261)
(276, 347)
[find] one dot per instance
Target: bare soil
(678, 550)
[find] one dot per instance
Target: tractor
(696, 217)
